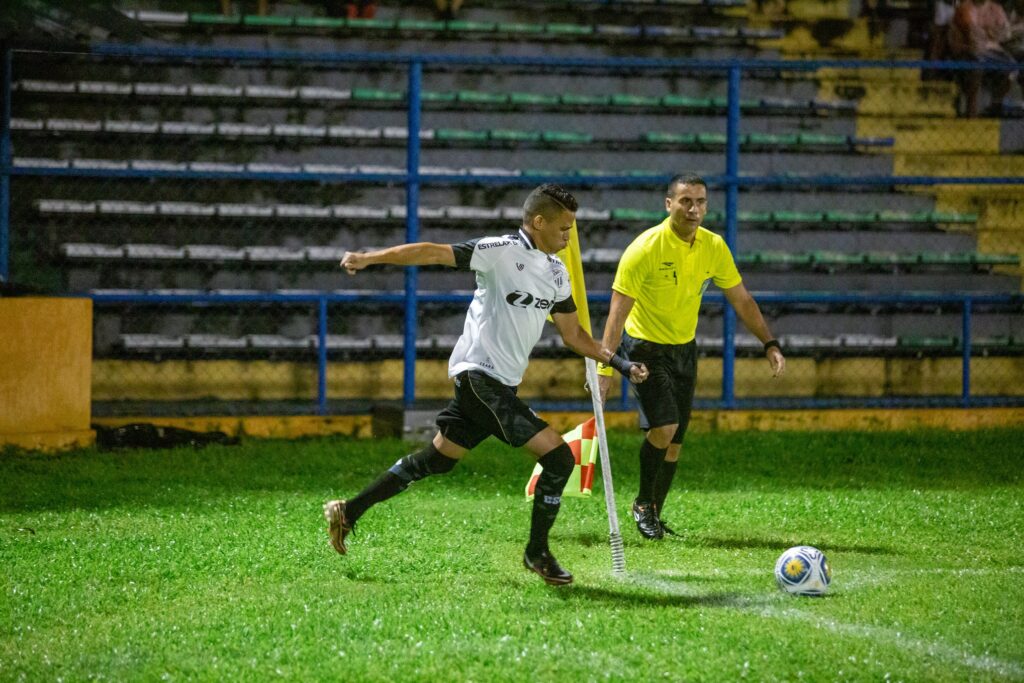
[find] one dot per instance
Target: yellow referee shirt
(667, 278)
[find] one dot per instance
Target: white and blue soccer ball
(803, 570)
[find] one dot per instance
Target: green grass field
(215, 565)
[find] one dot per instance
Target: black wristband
(770, 343)
(620, 364)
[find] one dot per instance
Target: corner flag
(583, 444)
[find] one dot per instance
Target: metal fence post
(412, 232)
(5, 167)
(732, 164)
(321, 356)
(965, 389)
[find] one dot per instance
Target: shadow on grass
(775, 544)
(649, 597)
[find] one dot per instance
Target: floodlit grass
(214, 565)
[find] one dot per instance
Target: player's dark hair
(548, 200)
(684, 179)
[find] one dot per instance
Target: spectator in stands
(261, 7)
(938, 37)
(361, 9)
(1014, 44)
(447, 9)
(519, 283)
(652, 319)
(976, 33)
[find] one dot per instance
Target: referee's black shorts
(484, 407)
(666, 397)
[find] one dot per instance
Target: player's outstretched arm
(577, 339)
(749, 312)
(418, 254)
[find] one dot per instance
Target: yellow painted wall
(45, 372)
(545, 379)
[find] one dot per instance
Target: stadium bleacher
(249, 123)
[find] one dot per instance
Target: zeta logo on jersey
(520, 299)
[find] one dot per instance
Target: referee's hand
(777, 361)
(638, 373)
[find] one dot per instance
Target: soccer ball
(803, 570)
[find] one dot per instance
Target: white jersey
(517, 286)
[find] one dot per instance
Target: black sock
(666, 473)
(411, 468)
(547, 496)
(650, 462)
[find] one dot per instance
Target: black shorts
(666, 397)
(484, 407)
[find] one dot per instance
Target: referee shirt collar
(526, 239)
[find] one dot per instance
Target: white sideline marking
(986, 663)
(901, 640)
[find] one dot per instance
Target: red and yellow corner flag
(583, 443)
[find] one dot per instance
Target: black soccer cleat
(647, 522)
(548, 568)
(338, 525)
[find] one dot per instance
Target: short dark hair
(684, 179)
(547, 200)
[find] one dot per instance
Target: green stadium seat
(953, 217)
(946, 258)
(889, 258)
(376, 95)
(460, 135)
(711, 139)
(519, 28)
(638, 215)
(837, 258)
(754, 216)
(783, 258)
(271, 20)
(563, 137)
(685, 102)
(670, 138)
(770, 139)
(905, 217)
(507, 135)
(1002, 341)
(532, 99)
(571, 100)
(980, 259)
(372, 24)
(419, 25)
(214, 19)
(723, 102)
(320, 22)
(438, 97)
(850, 217)
(715, 217)
(545, 172)
(635, 101)
(798, 216)
(746, 258)
(478, 97)
(472, 26)
(561, 29)
(821, 140)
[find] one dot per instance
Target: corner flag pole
(574, 263)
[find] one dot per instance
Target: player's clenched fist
(353, 262)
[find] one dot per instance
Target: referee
(656, 297)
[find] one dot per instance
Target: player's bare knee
(661, 437)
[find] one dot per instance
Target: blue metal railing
(965, 302)
(732, 180)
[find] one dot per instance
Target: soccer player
(519, 283)
(656, 296)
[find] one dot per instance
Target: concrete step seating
(393, 344)
(455, 29)
(454, 137)
(787, 219)
(318, 96)
(599, 258)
